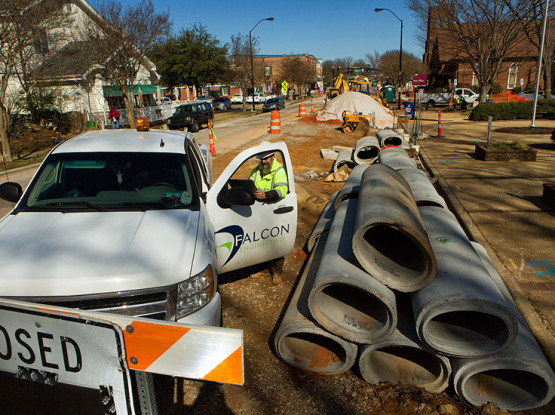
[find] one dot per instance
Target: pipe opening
(368, 153)
(508, 388)
(464, 332)
(395, 249)
(402, 364)
(393, 140)
(314, 352)
(432, 203)
(351, 309)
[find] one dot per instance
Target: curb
(473, 232)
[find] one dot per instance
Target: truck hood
(59, 254)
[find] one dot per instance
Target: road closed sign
(60, 348)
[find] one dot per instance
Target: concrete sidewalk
(499, 205)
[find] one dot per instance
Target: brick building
(273, 68)
(520, 64)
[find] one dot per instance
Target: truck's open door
(248, 234)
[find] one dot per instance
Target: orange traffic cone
(275, 123)
(211, 139)
(302, 112)
(311, 107)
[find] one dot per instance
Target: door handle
(283, 209)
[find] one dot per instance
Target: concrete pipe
(389, 239)
(422, 189)
(344, 299)
(401, 358)
(396, 158)
(367, 150)
(299, 341)
(323, 224)
(344, 158)
(462, 313)
(519, 378)
(389, 138)
(351, 188)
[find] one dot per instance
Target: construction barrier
(439, 123)
(275, 123)
(211, 138)
(302, 111)
(311, 106)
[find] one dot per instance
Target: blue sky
(327, 29)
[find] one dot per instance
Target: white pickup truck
(432, 99)
(130, 222)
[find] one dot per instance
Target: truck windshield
(112, 181)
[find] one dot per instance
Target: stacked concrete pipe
(389, 240)
(396, 158)
(323, 224)
(344, 299)
(351, 188)
(462, 312)
(344, 158)
(519, 378)
(300, 341)
(367, 150)
(389, 138)
(422, 189)
(402, 358)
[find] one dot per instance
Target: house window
(474, 80)
(268, 70)
(41, 43)
(513, 72)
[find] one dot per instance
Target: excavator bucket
(363, 127)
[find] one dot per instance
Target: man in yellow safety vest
(271, 183)
(270, 179)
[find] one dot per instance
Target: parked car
(273, 104)
(530, 94)
(237, 99)
(221, 103)
(256, 98)
(165, 101)
(204, 98)
(191, 116)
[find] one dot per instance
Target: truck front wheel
(430, 104)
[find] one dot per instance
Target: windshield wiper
(76, 202)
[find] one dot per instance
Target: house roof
(74, 60)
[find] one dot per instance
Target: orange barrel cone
(211, 139)
(302, 111)
(275, 123)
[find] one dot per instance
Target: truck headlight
(195, 293)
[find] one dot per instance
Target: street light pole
(270, 19)
(400, 78)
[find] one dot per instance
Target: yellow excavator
(353, 121)
(339, 86)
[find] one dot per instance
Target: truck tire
(194, 127)
(430, 104)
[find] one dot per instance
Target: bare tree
(532, 26)
(240, 56)
(24, 26)
(388, 64)
(479, 32)
(121, 38)
(298, 72)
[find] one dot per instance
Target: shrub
(496, 89)
(41, 107)
(513, 110)
(508, 145)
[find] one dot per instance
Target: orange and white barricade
(275, 123)
(302, 110)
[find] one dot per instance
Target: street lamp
(270, 19)
(400, 52)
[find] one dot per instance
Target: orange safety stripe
(73, 313)
(149, 341)
(230, 370)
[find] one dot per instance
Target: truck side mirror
(10, 191)
(235, 196)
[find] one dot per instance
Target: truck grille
(158, 304)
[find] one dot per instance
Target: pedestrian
(271, 183)
(114, 115)
(270, 179)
